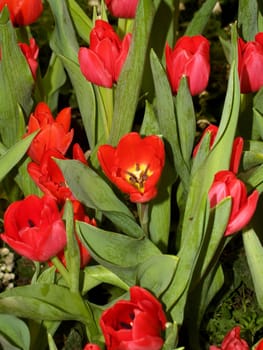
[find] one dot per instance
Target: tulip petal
(244, 215)
(93, 68)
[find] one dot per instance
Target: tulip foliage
(122, 200)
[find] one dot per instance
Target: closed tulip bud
(190, 58)
(243, 207)
(23, 12)
(102, 62)
(122, 8)
(250, 63)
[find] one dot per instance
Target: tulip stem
(143, 216)
(61, 268)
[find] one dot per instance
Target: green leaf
(44, 301)
(15, 331)
(81, 21)
(201, 17)
(254, 254)
(156, 273)
(89, 188)
(118, 253)
(166, 117)
(72, 253)
(97, 274)
(14, 154)
(53, 80)
(129, 82)
(16, 85)
(248, 19)
(186, 121)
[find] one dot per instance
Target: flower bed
(131, 175)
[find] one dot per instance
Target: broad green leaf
(200, 19)
(93, 122)
(254, 254)
(186, 121)
(48, 302)
(72, 253)
(150, 124)
(15, 331)
(166, 117)
(203, 293)
(64, 43)
(16, 84)
(129, 82)
(253, 154)
(118, 253)
(216, 227)
(97, 274)
(53, 80)
(248, 19)
(89, 188)
(14, 154)
(156, 273)
(81, 21)
(63, 40)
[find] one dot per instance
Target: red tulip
(91, 347)
(48, 176)
(259, 345)
(190, 58)
(243, 207)
(134, 324)
(34, 228)
(236, 149)
(102, 62)
(135, 165)
(53, 135)
(23, 12)
(122, 8)
(31, 54)
(232, 341)
(250, 63)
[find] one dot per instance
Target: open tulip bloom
(131, 169)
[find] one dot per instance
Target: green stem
(143, 209)
(61, 268)
(107, 96)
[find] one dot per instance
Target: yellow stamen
(137, 175)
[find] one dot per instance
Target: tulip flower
(34, 228)
(48, 176)
(134, 324)
(259, 345)
(53, 135)
(91, 347)
(31, 54)
(23, 12)
(243, 207)
(102, 62)
(232, 341)
(190, 58)
(122, 8)
(135, 165)
(250, 63)
(236, 149)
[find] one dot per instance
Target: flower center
(127, 324)
(31, 223)
(137, 175)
